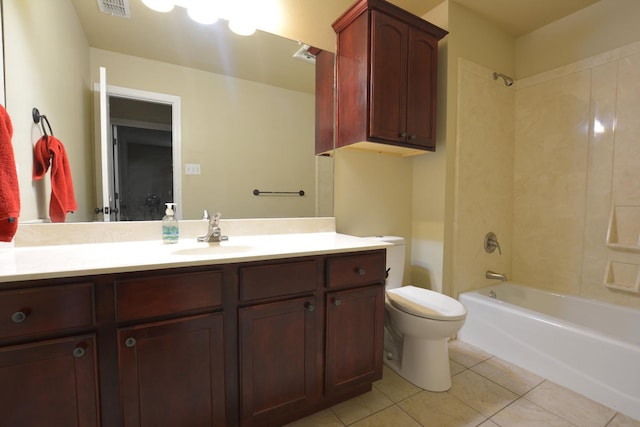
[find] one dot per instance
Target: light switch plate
(192, 169)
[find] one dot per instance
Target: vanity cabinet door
(172, 373)
(49, 383)
(354, 337)
(279, 363)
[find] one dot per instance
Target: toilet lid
(425, 303)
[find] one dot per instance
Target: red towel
(63, 199)
(9, 190)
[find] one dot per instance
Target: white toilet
(418, 324)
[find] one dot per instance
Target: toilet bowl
(418, 324)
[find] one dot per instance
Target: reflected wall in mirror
(244, 123)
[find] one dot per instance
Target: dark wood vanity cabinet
(280, 335)
(278, 364)
(171, 370)
(354, 337)
(386, 78)
(48, 374)
(257, 343)
(354, 320)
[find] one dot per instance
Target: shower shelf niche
(623, 276)
(623, 232)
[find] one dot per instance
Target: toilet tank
(395, 260)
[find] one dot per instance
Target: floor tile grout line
(505, 387)
(553, 412)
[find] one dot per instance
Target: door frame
(176, 126)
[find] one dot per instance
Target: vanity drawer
(158, 296)
(268, 281)
(356, 270)
(46, 310)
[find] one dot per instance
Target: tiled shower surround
(543, 164)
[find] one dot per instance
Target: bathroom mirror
(247, 117)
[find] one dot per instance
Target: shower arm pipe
(508, 81)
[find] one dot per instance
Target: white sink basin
(213, 249)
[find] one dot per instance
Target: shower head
(508, 81)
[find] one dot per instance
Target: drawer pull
(309, 306)
(361, 271)
(78, 352)
(337, 302)
(130, 342)
(18, 317)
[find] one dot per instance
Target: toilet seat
(425, 303)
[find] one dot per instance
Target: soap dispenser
(170, 231)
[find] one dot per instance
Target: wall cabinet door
(388, 104)
(354, 337)
(279, 367)
(49, 383)
(172, 373)
(422, 73)
(403, 83)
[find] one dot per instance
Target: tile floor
(485, 391)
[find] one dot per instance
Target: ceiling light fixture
(203, 11)
(242, 27)
(241, 14)
(160, 5)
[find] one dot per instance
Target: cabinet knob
(19, 317)
(78, 352)
(361, 271)
(337, 302)
(413, 137)
(130, 342)
(309, 306)
(403, 134)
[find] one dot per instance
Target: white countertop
(55, 261)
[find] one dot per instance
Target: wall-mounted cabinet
(386, 79)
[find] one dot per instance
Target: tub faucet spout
(493, 275)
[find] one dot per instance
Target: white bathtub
(588, 346)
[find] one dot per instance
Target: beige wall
(48, 69)
(372, 195)
(439, 244)
(605, 25)
(428, 182)
(216, 113)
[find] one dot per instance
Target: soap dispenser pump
(170, 231)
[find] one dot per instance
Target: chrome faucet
(493, 275)
(214, 233)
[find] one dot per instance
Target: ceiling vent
(115, 8)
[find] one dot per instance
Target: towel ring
(36, 119)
